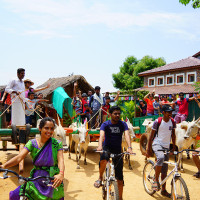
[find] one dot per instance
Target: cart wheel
(28, 130)
(14, 134)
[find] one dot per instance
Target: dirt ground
(79, 182)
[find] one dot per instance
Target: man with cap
(95, 103)
(163, 130)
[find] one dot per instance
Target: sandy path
(79, 182)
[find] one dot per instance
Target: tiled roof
(170, 89)
(184, 63)
(196, 54)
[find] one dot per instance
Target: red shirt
(183, 106)
(83, 103)
(8, 100)
(150, 108)
(165, 102)
(106, 109)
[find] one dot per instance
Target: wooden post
(135, 104)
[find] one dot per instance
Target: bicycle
(179, 188)
(46, 181)
(109, 182)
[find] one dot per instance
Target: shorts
(8, 113)
(118, 163)
(180, 117)
(161, 157)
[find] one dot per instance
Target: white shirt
(18, 86)
(163, 137)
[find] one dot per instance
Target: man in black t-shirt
(112, 131)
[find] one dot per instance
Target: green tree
(195, 3)
(127, 78)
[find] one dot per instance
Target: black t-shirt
(113, 135)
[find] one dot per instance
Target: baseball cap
(84, 95)
(156, 95)
(167, 108)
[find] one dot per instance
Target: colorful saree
(45, 164)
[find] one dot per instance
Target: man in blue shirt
(112, 130)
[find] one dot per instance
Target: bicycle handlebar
(115, 155)
(177, 152)
(21, 177)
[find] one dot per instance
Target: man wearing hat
(156, 105)
(163, 130)
(95, 103)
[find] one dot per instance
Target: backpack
(159, 122)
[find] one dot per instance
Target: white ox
(81, 139)
(186, 133)
(124, 143)
(59, 133)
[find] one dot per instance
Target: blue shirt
(113, 135)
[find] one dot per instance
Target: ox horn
(197, 120)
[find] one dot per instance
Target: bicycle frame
(110, 175)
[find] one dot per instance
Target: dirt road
(79, 182)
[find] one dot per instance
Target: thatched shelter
(2, 87)
(67, 83)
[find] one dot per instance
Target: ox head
(82, 133)
(191, 128)
(130, 128)
(60, 134)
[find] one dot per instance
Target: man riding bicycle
(163, 131)
(112, 130)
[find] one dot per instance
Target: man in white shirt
(17, 90)
(163, 130)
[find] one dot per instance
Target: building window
(169, 79)
(180, 79)
(160, 80)
(191, 77)
(151, 82)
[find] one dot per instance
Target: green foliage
(128, 110)
(197, 86)
(67, 121)
(127, 78)
(195, 3)
(142, 94)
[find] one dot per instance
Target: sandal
(165, 193)
(197, 175)
(97, 183)
(155, 186)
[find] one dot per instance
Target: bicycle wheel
(180, 190)
(148, 177)
(104, 190)
(113, 191)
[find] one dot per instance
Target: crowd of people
(93, 107)
(153, 105)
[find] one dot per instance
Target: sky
(92, 38)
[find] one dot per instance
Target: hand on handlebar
(129, 150)
(58, 180)
(99, 148)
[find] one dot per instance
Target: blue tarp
(60, 98)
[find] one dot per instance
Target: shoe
(165, 193)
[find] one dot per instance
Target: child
(77, 103)
(162, 131)
(30, 106)
(106, 108)
(156, 105)
(87, 112)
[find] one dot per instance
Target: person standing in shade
(175, 106)
(95, 103)
(156, 105)
(17, 90)
(149, 101)
(143, 108)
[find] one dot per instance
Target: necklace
(40, 144)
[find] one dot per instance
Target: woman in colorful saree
(47, 155)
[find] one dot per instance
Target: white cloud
(50, 18)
